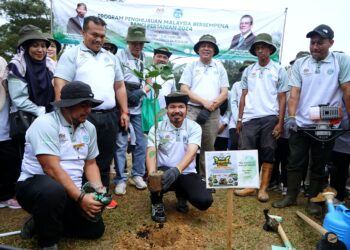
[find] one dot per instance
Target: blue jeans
(138, 155)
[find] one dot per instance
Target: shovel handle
(313, 224)
(9, 233)
(284, 237)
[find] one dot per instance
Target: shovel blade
(280, 248)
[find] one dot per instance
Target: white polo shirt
(51, 134)
(173, 142)
(127, 59)
(100, 71)
(319, 83)
(234, 98)
(263, 85)
(205, 80)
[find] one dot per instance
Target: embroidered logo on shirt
(86, 139)
(330, 71)
(306, 71)
(185, 139)
(62, 137)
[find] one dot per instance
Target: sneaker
(138, 182)
(120, 188)
(28, 229)
(3, 204)
(158, 212)
(11, 203)
(273, 186)
(284, 191)
(113, 204)
(181, 205)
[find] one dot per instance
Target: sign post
(229, 170)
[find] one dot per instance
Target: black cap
(322, 30)
(176, 97)
(74, 93)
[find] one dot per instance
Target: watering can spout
(330, 207)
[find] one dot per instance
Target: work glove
(291, 124)
(134, 97)
(169, 177)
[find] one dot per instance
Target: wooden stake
(229, 217)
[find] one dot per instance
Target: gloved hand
(169, 177)
(291, 124)
(134, 97)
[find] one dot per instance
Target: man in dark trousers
(61, 147)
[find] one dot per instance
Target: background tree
(17, 14)
(232, 69)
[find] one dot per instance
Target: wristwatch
(239, 119)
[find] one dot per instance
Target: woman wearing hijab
(30, 75)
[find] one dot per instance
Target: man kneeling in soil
(178, 140)
(60, 147)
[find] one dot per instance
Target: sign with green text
(175, 27)
(232, 169)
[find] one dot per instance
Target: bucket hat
(162, 50)
(209, 39)
(109, 42)
(323, 30)
(136, 34)
(51, 39)
(263, 38)
(31, 32)
(300, 54)
(74, 93)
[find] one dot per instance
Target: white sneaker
(11, 203)
(120, 188)
(138, 182)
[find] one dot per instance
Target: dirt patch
(161, 236)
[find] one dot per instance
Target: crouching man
(178, 140)
(60, 148)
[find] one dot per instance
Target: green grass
(195, 230)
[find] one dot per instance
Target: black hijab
(38, 78)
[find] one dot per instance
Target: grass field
(129, 226)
